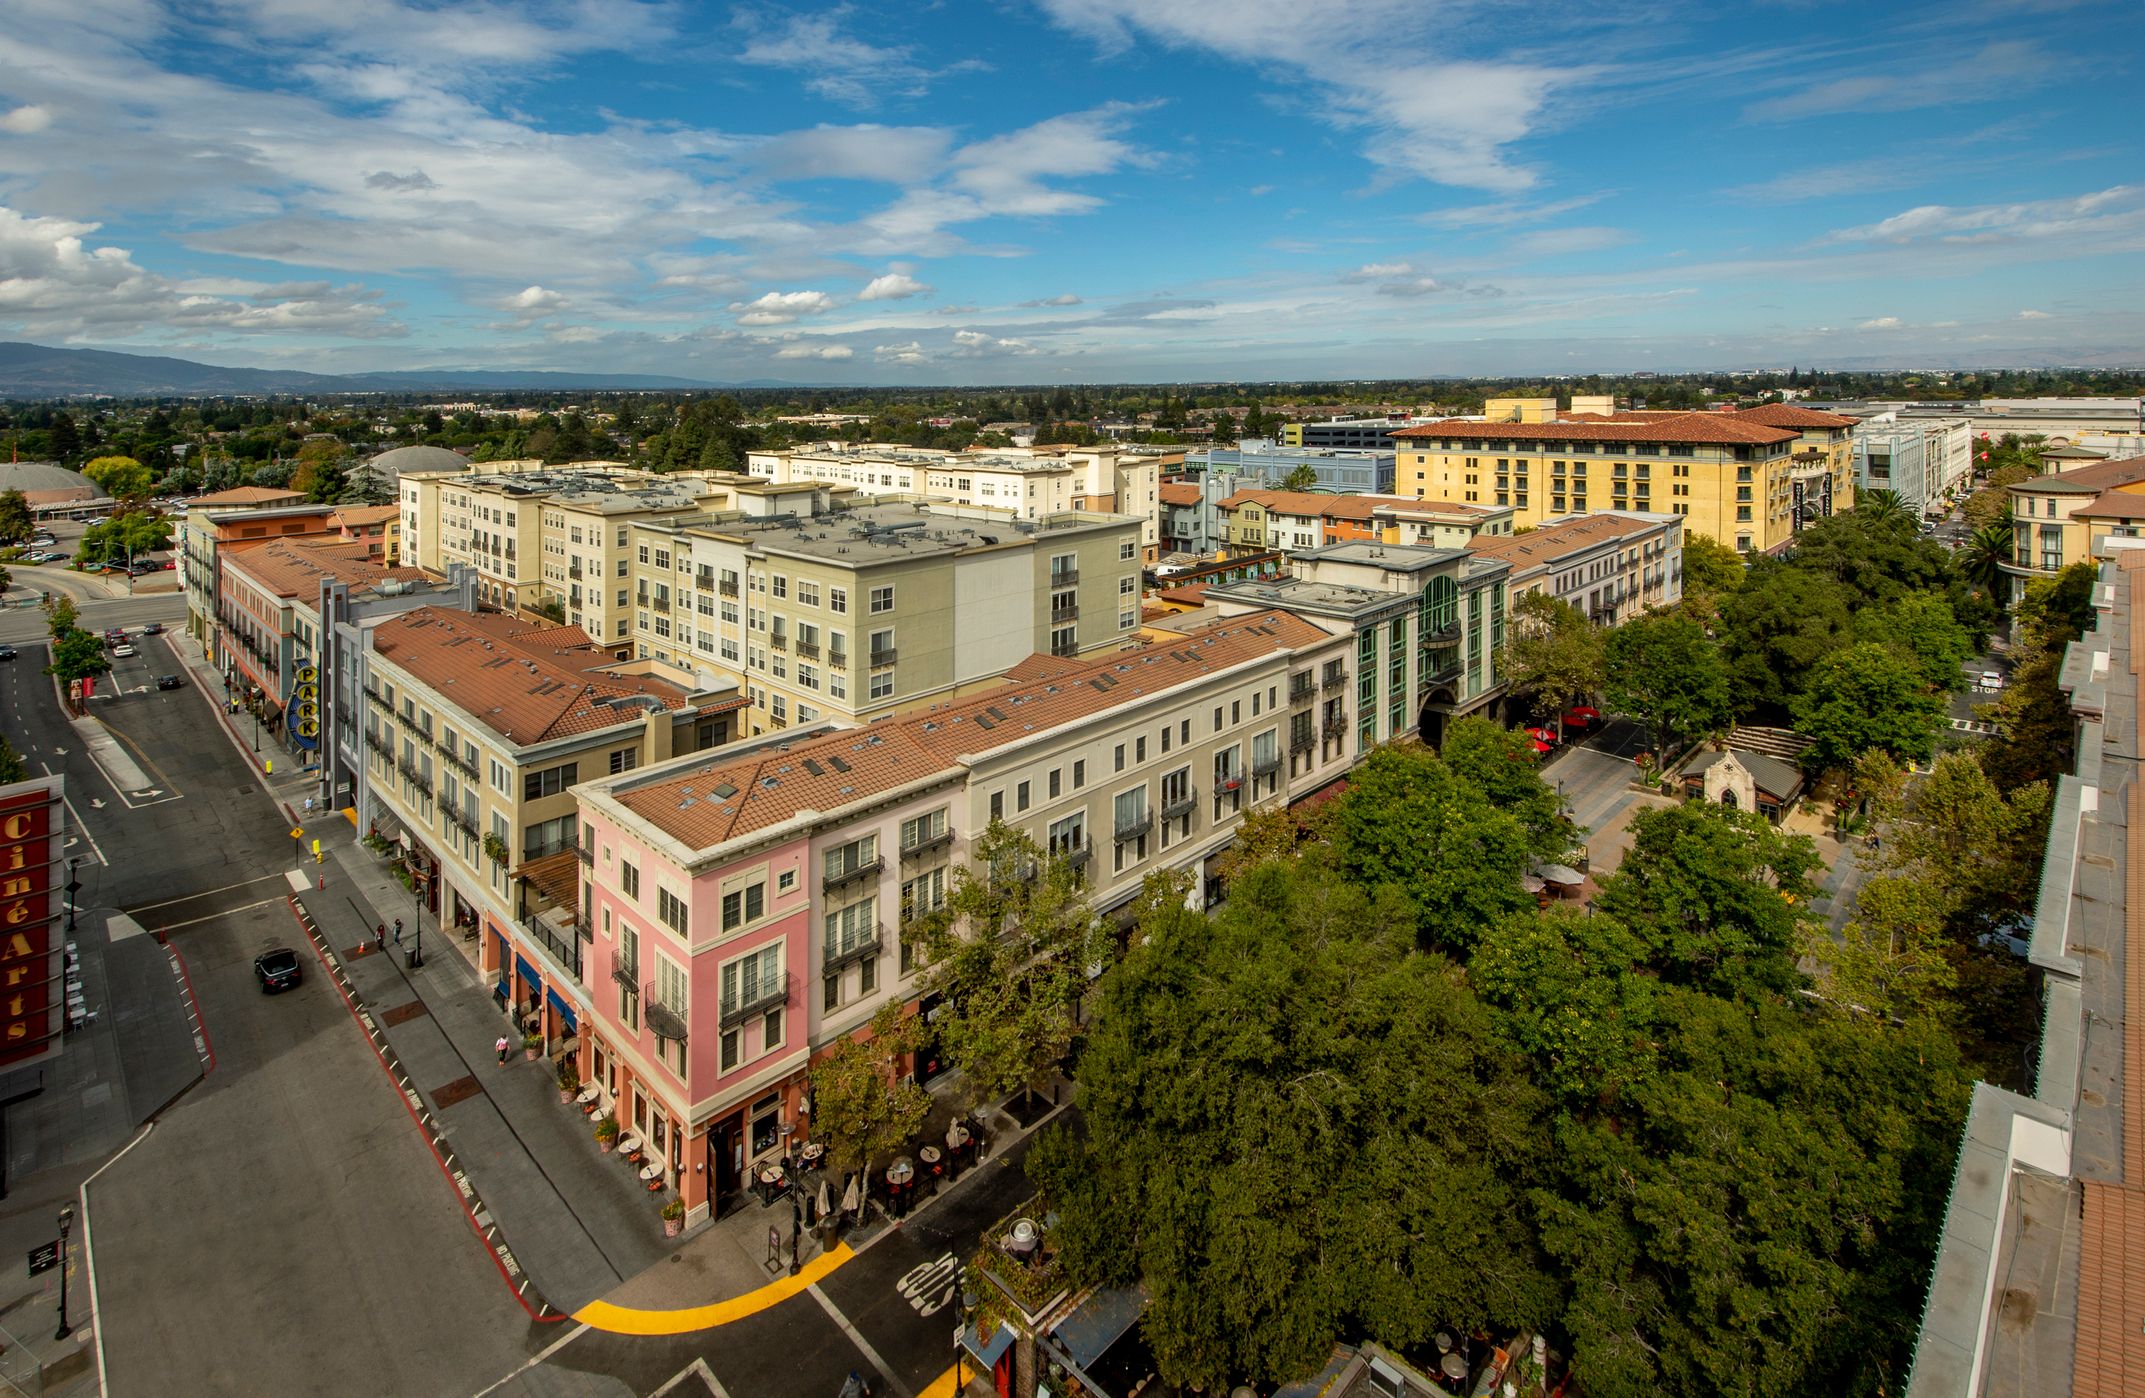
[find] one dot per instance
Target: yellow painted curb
(627, 1320)
(942, 1386)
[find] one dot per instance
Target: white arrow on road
(96, 803)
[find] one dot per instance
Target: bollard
(323, 883)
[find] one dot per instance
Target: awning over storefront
(558, 1002)
(1100, 1321)
(528, 972)
(987, 1351)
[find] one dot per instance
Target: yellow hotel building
(1749, 479)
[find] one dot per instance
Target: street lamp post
(66, 1222)
(968, 1312)
(74, 898)
(417, 921)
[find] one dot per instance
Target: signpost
(44, 1257)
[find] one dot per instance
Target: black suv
(277, 970)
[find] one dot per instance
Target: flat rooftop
(887, 530)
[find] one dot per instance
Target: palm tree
(1981, 558)
(1884, 507)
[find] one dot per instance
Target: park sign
(33, 827)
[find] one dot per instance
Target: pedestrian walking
(379, 936)
(501, 1046)
(398, 931)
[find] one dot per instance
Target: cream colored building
(1030, 482)
(2057, 518)
(841, 613)
(1611, 566)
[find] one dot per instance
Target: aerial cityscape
(1071, 699)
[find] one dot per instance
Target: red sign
(31, 829)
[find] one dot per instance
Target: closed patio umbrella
(849, 1196)
(824, 1207)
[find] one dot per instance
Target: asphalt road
(284, 1228)
(893, 1305)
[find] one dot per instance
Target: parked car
(169, 682)
(7, 652)
(1991, 679)
(277, 970)
(154, 628)
(1581, 718)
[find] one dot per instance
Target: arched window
(1441, 604)
(1727, 798)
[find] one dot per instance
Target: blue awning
(1101, 1321)
(987, 1352)
(500, 989)
(528, 972)
(558, 1002)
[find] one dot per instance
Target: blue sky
(1019, 191)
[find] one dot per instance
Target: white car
(122, 650)
(1991, 679)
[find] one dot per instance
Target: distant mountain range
(38, 371)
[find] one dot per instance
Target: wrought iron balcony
(927, 844)
(1266, 766)
(586, 853)
(852, 870)
(1229, 783)
(662, 604)
(1441, 666)
(1336, 727)
(1135, 827)
(573, 570)
(1443, 630)
(865, 948)
(884, 657)
(1068, 612)
(778, 640)
(1181, 806)
(808, 650)
(727, 589)
(1064, 577)
(1302, 742)
(1334, 679)
(626, 970)
(664, 1021)
(756, 999)
(461, 821)
(1302, 687)
(560, 942)
(453, 758)
(382, 745)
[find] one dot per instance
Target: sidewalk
(576, 1221)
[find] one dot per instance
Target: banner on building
(33, 830)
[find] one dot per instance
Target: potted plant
(495, 849)
(673, 1218)
(607, 1132)
(532, 1045)
(569, 1080)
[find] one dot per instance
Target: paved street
(289, 1194)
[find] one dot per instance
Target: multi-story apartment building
(1294, 520)
(1611, 565)
(1426, 625)
(2054, 518)
(588, 547)
(749, 909)
(1821, 473)
(1927, 462)
(1439, 524)
(250, 512)
(1029, 482)
(268, 622)
(1259, 462)
(377, 527)
(475, 729)
(1347, 434)
(1732, 479)
(844, 614)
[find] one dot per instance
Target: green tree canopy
(124, 536)
(121, 477)
(1923, 627)
(1299, 1128)
(1711, 570)
(77, 655)
(1573, 996)
(1778, 628)
(16, 522)
(1555, 654)
(1867, 696)
(864, 1105)
(1667, 671)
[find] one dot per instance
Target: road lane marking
(864, 1346)
(948, 1385)
(534, 1360)
(89, 1254)
(628, 1320)
(928, 1287)
(698, 1369)
(79, 823)
(207, 893)
(227, 912)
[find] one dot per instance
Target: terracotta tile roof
(2110, 1361)
(488, 666)
(1405, 504)
(367, 514)
(1310, 502)
(1191, 594)
(292, 568)
(1179, 493)
(2113, 504)
(1552, 541)
(247, 495)
(2088, 480)
(716, 801)
(1710, 428)
(1788, 415)
(552, 637)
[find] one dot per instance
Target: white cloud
(841, 66)
(1880, 323)
(814, 352)
(2033, 315)
(893, 286)
(1561, 242)
(1260, 191)
(974, 344)
(2117, 212)
(900, 155)
(2012, 66)
(1386, 68)
(910, 352)
(53, 283)
(26, 120)
(535, 298)
(1063, 299)
(782, 307)
(1379, 271)
(1413, 286)
(1506, 212)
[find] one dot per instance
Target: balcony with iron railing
(850, 870)
(884, 657)
(1074, 849)
(662, 603)
(1134, 827)
(1334, 679)
(584, 851)
(778, 640)
(1440, 630)
(544, 848)
(450, 754)
(1061, 614)
(573, 570)
(1336, 728)
(626, 970)
(808, 650)
(1302, 742)
(837, 658)
(665, 1021)
(554, 932)
(1302, 687)
(459, 819)
(379, 743)
(727, 589)
(1064, 577)
(1266, 766)
(1441, 665)
(755, 999)
(1182, 805)
(927, 843)
(1226, 782)
(863, 947)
